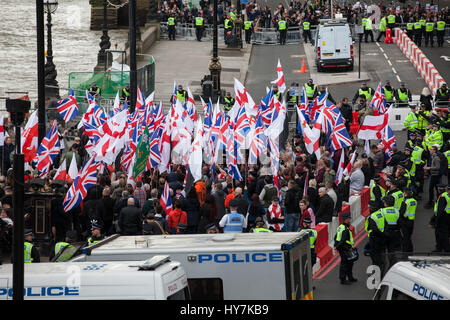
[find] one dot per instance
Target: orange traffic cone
(303, 69)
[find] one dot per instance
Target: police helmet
(441, 186)
(345, 215)
(228, 94)
(307, 220)
(28, 232)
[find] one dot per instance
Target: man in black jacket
(291, 203)
(130, 220)
(5, 152)
(326, 207)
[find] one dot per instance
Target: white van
(239, 266)
(155, 279)
(333, 46)
(421, 278)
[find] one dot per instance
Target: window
(206, 289)
(398, 295)
(381, 293)
(180, 295)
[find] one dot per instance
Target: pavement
(187, 62)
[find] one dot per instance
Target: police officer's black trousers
(368, 33)
(442, 239)
(345, 268)
(199, 33)
(410, 34)
(440, 38)
(393, 245)
(313, 257)
(428, 38)
(171, 32)
(307, 35)
(418, 38)
(381, 33)
(407, 231)
(282, 36)
(378, 252)
(434, 181)
(248, 35)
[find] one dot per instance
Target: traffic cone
(303, 69)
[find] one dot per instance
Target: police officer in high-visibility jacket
(447, 155)
(282, 29)
(377, 193)
(418, 157)
(311, 89)
(94, 90)
(229, 102)
(395, 192)
(391, 20)
(410, 28)
(31, 252)
(382, 28)
(248, 27)
(366, 91)
(171, 23)
(407, 220)
(276, 92)
(422, 118)
(392, 229)
(199, 25)
(71, 236)
(306, 24)
(368, 29)
(96, 233)
(442, 96)
(233, 222)
(429, 32)
(227, 28)
(344, 243)
(388, 92)
(402, 95)
(418, 33)
(260, 226)
(411, 123)
(440, 221)
(312, 238)
(374, 227)
(440, 30)
(126, 93)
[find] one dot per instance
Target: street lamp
(51, 85)
(214, 66)
(104, 58)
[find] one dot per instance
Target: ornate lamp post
(214, 66)
(51, 85)
(104, 58)
(238, 24)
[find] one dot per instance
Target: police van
(157, 278)
(420, 278)
(228, 266)
(333, 45)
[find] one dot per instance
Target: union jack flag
(257, 146)
(86, 179)
(318, 104)
(388, 142)
(231, 155)
(304, 105)
(166, 199)
(339, 137)
(68, 107)
(155, 155)
(266, 107)
(378, 101)
(48, 150)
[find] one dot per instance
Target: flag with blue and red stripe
(388, 141)
(48, 150)
(304, 106)
(378, 101)
(68, 107)
(86, 179)
(317, 105)
(166, 199)
(339, 137)
(257, 146)
(266, 107)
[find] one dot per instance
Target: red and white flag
(340, 171)
(3, 132)
(244, 98)
(373, 126)
(349, 166)
(73, 169)
(29, 139)
(311, 137)
(61, 173)
(280, 80)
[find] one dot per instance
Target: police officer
(418, 31)
(442, 96)
(126, 93)
(382, 28)
(171, 23)
(282, 28)
(229, 102)
(444, 124)
(260, 226)
(94, 90)
(391, 20)
(366, 91)
(322, 90)
(395, 192)
(312, 238)
(411, 123)
(96, 233)
(71, 237)
(447, 155)
(410, 28)
(31, 253)
(377, 193)
(374, 226)
(440, 30)
(227, 28)
(418, 157)
(402, 95)
(392, 229)
(422, 118)
(233, 222)
(199, 25)
(344, 244)
(429, 32)
(368, 29)
(291, 97)
(440, 221)
(306, 24)
(276, 92)
(311, 89)
(407, 220)
(182, 95)
(388, 92)
(248, 27)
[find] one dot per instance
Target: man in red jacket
(177, 219)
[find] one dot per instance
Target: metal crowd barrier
(186, 31)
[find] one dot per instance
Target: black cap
(441, 186)
(275, 198)
(28, 232)
(389, 200)
(376, 178)
(307, 220)
(345, 215)
(234, 203)
(211, 226)
(409, 148)
(71, 234)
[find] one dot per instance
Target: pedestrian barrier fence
(422, 64)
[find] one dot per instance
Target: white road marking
(381, 49)
(389, 62)
(398, 78)
(394, 70)
(385, 56)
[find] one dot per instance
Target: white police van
(420, 278)
(229, 266)
(155, 279)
